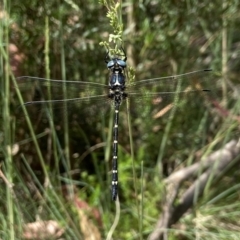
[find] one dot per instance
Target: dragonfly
(117, 91)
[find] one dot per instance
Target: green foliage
(60, 39)
(114, 15)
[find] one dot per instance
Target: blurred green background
(62, 169)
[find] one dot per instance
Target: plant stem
(6, 120)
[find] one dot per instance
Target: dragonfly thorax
(117, 95)
(117, 79)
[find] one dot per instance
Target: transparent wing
(40, 94)
(169, 83)
(167, 87)
(165, 92)
(93, 97)
(58, 91)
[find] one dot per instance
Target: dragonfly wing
(68, 97)
(198, 80)
(166, 92)
(49, 89)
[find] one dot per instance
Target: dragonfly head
(116, 64)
